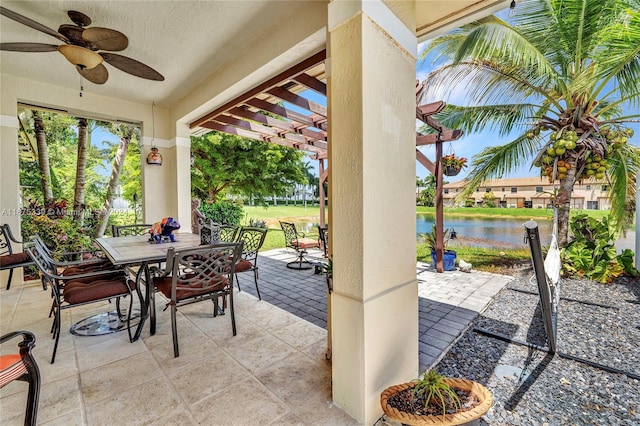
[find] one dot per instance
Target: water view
(484, 231)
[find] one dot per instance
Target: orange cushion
(77, 291)
(14, 259)
(304, 243)
(243, 265)
(11, 368)
(190, 289)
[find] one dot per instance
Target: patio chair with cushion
(9, 259)
(127, 230)
(297, 241)
(197, 274)
(22, 366)
(252, 240)
(80, 289)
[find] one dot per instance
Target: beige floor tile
(90, 357)
(322, 411)
(273, 318)
(318, 351)
(193, 350)
(296, 379)
(288, 419)
(260, 353)
(115, 378)
(198, 381)
(144, 404)
(73, 418)
(246, 331)
(65, 365)
(245, 403)
(301, 334)
(13, 402)
(163, 336)
(59, 398)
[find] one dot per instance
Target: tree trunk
(563, 204)
(43, 159)
(81, 172)
(105, 211)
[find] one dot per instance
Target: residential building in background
(530, 192)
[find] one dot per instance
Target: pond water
(484, 231)
(476, 231)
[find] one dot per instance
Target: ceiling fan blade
(79, 18)
(28, 47)
(31, 23)
(106, 38)
(132, 66)
(97, 75)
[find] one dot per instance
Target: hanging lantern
(154, 157)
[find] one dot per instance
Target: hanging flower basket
(451, 165)
(451, 170)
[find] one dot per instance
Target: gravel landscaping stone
(532, 387)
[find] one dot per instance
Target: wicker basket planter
(481, 392)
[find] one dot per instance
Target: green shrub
(61, 235)
(592, 252)
(223, 212)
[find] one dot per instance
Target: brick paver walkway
(448, 302)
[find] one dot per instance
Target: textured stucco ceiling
(186, 41)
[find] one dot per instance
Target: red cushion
(14, 259)
(191, 288)
(85, 268)
(243, 265)
(11, 368)
(77, 291)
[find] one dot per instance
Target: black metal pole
(531, 228)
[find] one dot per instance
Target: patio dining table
(138, 250)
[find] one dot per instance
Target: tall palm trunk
(563, 201)
(81, 172)
(118, 162)
(43, 159)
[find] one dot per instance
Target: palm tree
(561, 74)
(43, 158)
(81, 172)
(126, 133)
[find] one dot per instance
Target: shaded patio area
(273, 372)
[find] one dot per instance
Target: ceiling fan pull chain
(81, 85)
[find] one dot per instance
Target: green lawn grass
(485, 259)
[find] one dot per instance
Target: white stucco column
(9, 176)
(371, 79)
(167, 188)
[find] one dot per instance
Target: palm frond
(624, 167)
(497, 161)
(500, 118)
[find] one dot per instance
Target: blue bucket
(449, 260)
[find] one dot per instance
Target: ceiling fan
(85, 47)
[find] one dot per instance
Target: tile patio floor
(274, 372)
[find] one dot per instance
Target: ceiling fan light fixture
(84, 58)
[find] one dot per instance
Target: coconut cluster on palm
(563, 75)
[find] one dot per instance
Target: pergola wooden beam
(298, 100)
(311, 83)
(262, 138)
(281, 111)
(428, 164)
(446, 136)
(424, 111)
(292, 72)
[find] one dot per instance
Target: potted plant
(452, 165)
(449, 256)
(436, 400)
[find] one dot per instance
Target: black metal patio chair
(298, 241)
(252, 240)
(9, 259)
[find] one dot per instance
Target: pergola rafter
(277, 111)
